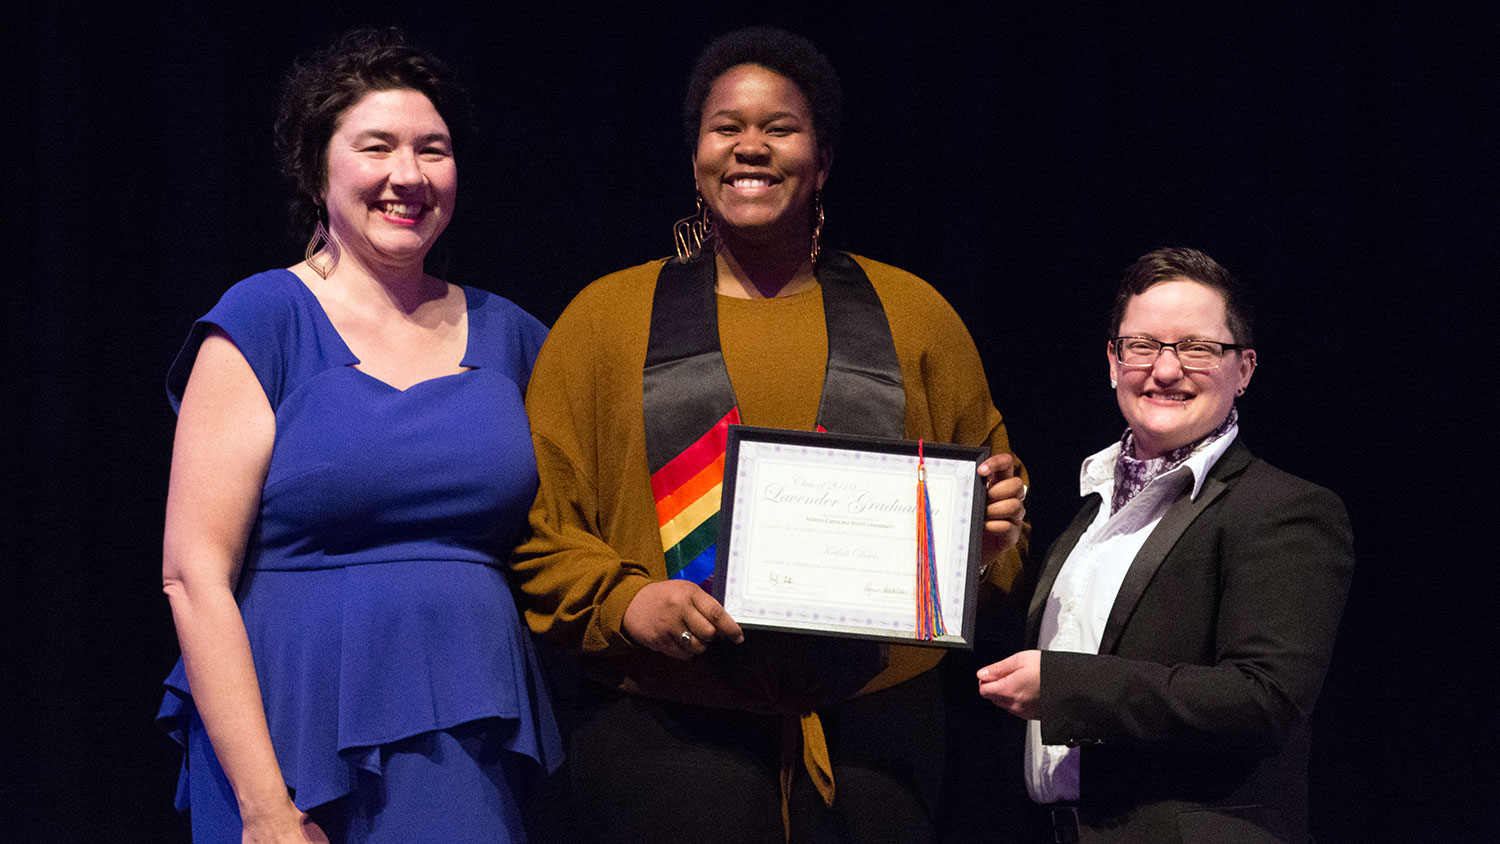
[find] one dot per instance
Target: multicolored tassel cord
(929, 608)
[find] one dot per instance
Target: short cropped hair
(776, 50)
(1161, 265)
(321, 87)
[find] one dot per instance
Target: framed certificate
(820, 533)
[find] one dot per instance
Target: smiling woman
(1178, 398)
(758, 164)
(1182, 623)
(350, 473)
(391, 180)
(690, 724)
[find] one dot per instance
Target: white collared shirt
(1084, 593)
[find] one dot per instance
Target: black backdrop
(1341, 158)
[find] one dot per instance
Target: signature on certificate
(873, 588)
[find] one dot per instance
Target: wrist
(264, 803)
(612, 610)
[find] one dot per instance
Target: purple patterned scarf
(1132, 474)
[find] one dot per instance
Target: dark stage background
(1341, 158)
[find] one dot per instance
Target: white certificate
(819, 533)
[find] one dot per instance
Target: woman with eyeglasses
(1183, 622)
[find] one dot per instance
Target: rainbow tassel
(929, 609)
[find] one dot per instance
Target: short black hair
(1161, 265)
(776, 50)
(322, 86)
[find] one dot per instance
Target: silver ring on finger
(686, 637)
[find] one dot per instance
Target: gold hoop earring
(691, 232)
(321, 241)
(817, 233)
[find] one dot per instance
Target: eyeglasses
(1192, 354)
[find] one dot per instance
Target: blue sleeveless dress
(373, 587)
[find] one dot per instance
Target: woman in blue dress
(352, 467)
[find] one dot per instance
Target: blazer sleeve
(1230, 643)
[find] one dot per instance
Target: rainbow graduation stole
(689, 402)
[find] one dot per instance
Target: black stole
(689, 402)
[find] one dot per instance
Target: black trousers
(650, 771)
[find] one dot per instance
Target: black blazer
(1193, 715)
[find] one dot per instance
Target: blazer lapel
(1056, 556)
(1178, 517)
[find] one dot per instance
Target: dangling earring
(817, 234)
(1240, 391)
(321, 240)
(690, 233)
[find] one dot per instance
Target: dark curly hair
(790, 55)
(1180, 262)
(321, 87)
